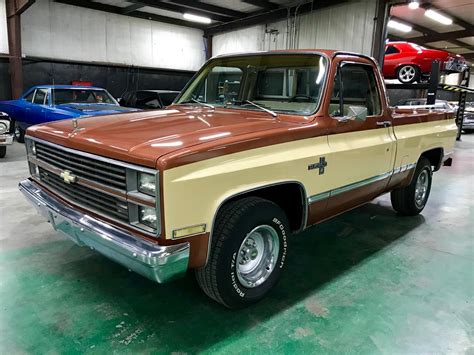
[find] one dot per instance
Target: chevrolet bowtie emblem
(74, 123)
(67, 176)
(321, 166)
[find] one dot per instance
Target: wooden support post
(14, 10)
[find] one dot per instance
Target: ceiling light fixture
(414, 5)
(399, 26)
(195, 18)
(434, 15)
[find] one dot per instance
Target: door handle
(384, 123)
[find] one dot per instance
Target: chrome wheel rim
(421, 188)
(407, 73)
(257, 256)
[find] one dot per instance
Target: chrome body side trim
(355, 185)
(156, 262)
(319, 197)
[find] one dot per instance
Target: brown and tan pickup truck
(257, 147)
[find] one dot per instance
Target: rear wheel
(411, 200)
(19, 133)
(408, 74)
(3, 151)
(247, 254)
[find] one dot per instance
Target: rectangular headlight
(147, 216)
(147, 184)
(30, 146)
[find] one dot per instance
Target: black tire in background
(411, 200)
(248, 220)
(19, 133)
(3, 151)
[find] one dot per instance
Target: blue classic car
(47, 103)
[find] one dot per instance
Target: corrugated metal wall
(249, 39)
(60, 31)
(3, 28)
(346, 27)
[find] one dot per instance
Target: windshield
(81, 96)
(278, 82)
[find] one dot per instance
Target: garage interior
(367, 281)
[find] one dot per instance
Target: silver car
(6, 135)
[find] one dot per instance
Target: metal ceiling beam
(212, 9)
(131, 8)
(179, 9)
(267, 5)
(137, 14)
(430, 33)
(469, 56)
(271, 16)
(446, 36)
(393, 37)
(458, 21)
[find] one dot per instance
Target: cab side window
(355, 92)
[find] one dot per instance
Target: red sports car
(409, 62)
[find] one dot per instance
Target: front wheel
(408, 74)
(3, 151)
(411, 200)
(248, 252)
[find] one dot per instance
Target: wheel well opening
(290, 197)
(435, 156)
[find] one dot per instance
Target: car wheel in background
(3, 151)
(408, 74)
(19, 133)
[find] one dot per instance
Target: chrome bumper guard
(6, 139)
(156, 262)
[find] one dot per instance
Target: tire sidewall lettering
(233, 276)
(281, 227)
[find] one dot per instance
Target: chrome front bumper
(156, 262)
(6, 139)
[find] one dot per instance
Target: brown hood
(143, 137)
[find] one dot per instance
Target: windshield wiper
(273, 113)
(199, 102)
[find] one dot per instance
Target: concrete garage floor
(365, 282)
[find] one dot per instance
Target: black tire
(405, 200)
(19, 133)
(404, 78)
(468, 131)
(220, 278)
(3, 151)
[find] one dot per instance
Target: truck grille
(88, 168)
(105, 204)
